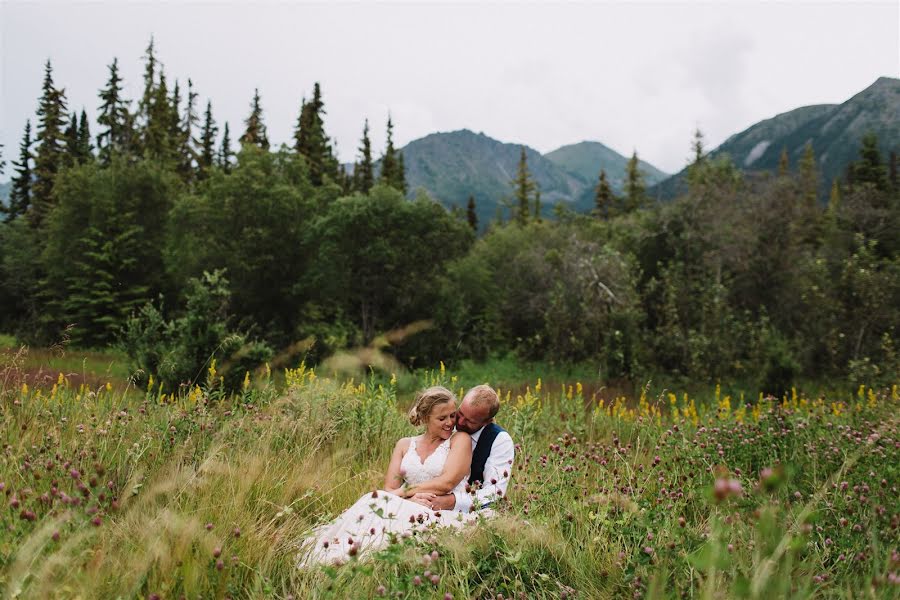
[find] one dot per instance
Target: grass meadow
(113, 492)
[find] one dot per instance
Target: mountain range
(456, 165)
(834, 130)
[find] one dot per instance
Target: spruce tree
(523, 188)
(635, 197)
(85, 150)
(391, 166)
(869, 170)
(114, 119)
(312, 143)
(188, 155)
(834, 198)
(160, 127)
(255, 132)
(471, 215)
(225, 152)
(20, 194)
(783, 163)
(603, 199)
(50, 151)
(207, 142)
(145, 108)
(537, 203)
(71, 156)
(697, 147)
(809, 176)
(364, 171)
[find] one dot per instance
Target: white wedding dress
(369, 523)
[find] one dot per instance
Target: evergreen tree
(148, 97)
(71, 156)
(869, 170)
(188, 156)
(85, 150)
(161, 130)
(603, 199)
(471, 215)
(20, 194)
(537, 204)
(697, 147)
(207, 142)
(783, 163)
(225, 152)
(391, 163)
(834, 198)
(312, 143)
(114, 118)
(635, 196)
(809, 176)
(364, 171)
(523, 188)
(78, 140)
(255, 132)
(50, 151)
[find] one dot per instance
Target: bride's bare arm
(393, 480)
(455, 469)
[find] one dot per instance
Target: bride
(438, 456)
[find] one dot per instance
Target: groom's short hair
(484, 395)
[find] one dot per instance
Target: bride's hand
(423, 498)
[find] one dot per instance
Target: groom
(492, 453)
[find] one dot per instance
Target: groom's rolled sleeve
(497, 471)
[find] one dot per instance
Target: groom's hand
(423, 498)
(444, 502)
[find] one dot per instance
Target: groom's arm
(497, 471)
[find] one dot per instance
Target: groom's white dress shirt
(497, 469)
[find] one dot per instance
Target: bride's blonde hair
(425, 402)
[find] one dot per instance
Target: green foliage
(392, 170)
(254, 223)
(103, 254)
(524, 188)
(49, 157)
(312, 142)
(255, 132)
(117, 135)
(378, 257)
(364, 170)
(20, 194)
(178, 350)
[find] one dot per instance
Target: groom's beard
(465, 429)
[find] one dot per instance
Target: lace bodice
(415, 471)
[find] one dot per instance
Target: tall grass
(202, 494)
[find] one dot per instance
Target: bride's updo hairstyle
(425, 402)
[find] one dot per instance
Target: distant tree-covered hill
(586, 159)
(834, 130)
(453, 166)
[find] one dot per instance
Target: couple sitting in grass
(458, 466)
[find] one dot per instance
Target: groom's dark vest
(483, 450)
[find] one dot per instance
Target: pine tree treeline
(157, 221)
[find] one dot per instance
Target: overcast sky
(633, 75)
